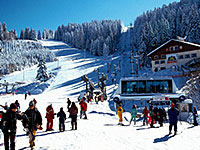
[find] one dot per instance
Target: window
(156, 57)
(162, 62)
(159, 86)
(156, 69)
(171, 48)
(174, 48)
(162, 68)
(157, 62)
(180, 57)
(129, 87)
(187, 56)
(146, 86)
(194, 55)
(163, 56)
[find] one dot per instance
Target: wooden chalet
(175, 54)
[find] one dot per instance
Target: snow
(100, 131)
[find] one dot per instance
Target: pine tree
(42, 74)
(39, 35)
(22, 34)
(26, 34)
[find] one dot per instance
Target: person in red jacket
(145, 113)
(83, 106)
(73, 111)
(50, 117)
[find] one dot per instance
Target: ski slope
(100, 131)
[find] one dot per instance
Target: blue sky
(49, 14)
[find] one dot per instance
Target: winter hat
(31, 103)
(172, 105)
(13, 106)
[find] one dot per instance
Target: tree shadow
(102, 113)
(143, 128)
(48, 133)
(116, 125)
(111, 125)
(163, 139)
(191, 127)
(42, 133)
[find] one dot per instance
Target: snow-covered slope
(100, 131)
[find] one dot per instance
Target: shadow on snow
(102, 113)
(163, 139)
(42, 133)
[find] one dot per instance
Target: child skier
(133, 114)
(145, 113)
(83, 106)
(119, 111)
(50, 117)
(62, 117)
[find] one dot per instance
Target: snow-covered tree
(39, 37)
(192, 89)
(42, 74)
(15, 55)
(26, 34)
(91, 36)
(22, 34)
(32, 35)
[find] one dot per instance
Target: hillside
(100, 131)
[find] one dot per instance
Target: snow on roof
(173, 40)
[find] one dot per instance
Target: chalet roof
(176, 40)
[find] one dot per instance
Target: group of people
(31, 119)
(73, 112)
(154, 114)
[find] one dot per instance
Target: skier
(18, 106)
(34, 122)
(133, 114)
(73, 111)
(25, 96)
(145, 113)
(119, 112)
(62, 117)
(160, 116)
(195, 115)
(50, 117)
(173, 118)
(152, 115)
(9, 126)
(68, 103)
(83, 106)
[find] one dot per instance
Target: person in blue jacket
(133, 114)
(62, 117)
(173, 118)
